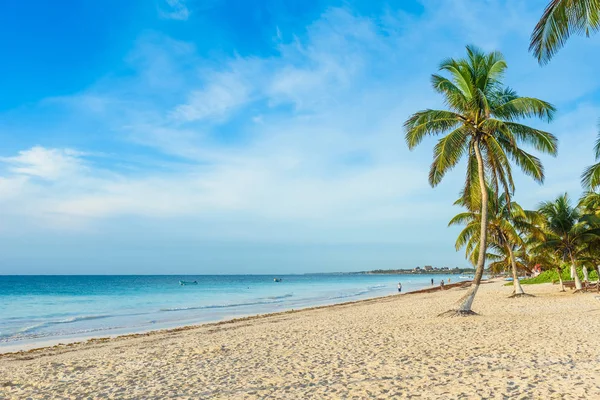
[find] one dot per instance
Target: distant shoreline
(421, 272)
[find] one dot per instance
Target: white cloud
(48, 164)
(225, 92)
(304, 144)
(174, 9)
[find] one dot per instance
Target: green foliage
(482, 117)
(507, 223)
(551, 276)
(561, 19)
(590, 178)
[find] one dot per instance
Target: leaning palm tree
(566, 233)
(506, 258)
(481, 124)
(508, 222)
(560, 20)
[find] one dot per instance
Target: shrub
(552, 276)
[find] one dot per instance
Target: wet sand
(546, 346)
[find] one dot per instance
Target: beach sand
(543, 347)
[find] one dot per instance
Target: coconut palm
(481, 125)
(566, 232)
(560, 20)
(508, 222)
(590, 206)
(589, 203)
(501, 261)
(591, 257)
(536, 254)
(514, 260)
(590, 179)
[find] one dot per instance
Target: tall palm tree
(481, 124)
(508, 222)
(566, 233)
(560, 20)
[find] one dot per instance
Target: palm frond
(447, 153)
(429, 122)
(560, 20)
(524, 107)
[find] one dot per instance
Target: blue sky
(183, 136)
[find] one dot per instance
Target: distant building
(428, 268)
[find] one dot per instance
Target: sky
(214, 136)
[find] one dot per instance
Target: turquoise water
(34, 309)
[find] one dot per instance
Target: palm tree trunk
(517, 285)
(562, 285)
(586, 277)
(598, 281)
(467, 301)
(578, 285)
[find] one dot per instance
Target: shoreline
(57, 344)
(387, 347)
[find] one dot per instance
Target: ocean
(36, 310)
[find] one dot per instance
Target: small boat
(184, 283)
(277, 280)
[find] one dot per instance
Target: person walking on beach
(442, 284)
(431, 281)
(399, 287)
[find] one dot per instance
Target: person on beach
(431, 281)
(442, 284)
(399, 287)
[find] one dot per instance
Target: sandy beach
(546, 346)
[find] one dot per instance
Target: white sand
(544, 347)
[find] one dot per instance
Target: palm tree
(507, 223)
(537, 254)
(590, 206)
(591, 257)
(501, 261)
(560, 20)
(566, 232)
(589, 203)
(514, 260)
(590, 179)
(481, 124)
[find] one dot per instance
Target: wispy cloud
(303, 144)
(225, 92)
(174, 9)
(47, 164)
